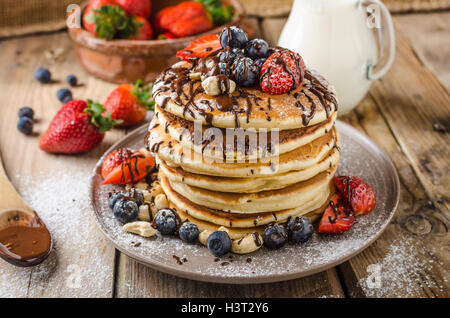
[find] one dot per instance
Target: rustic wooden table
(407, 114)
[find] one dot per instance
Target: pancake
(265, 201)
(249, 185)
(233, 144)
(235, 232)
(234, 220)
(309, 104)
(171, 151)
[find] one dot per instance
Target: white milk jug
(338, 38)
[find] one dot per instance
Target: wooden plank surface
(56, 186)
(406, 114)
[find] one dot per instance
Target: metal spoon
(24, 238)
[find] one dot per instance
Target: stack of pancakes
(236, 182)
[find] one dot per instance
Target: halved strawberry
(337, 217)
(359, 194)
(200, 48)
(114, 159)
(130, 171)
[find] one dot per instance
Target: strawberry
(129, 103)
(282, 72)
(114, 159)
(145, 31)
(166, 36)
(337, 217)
(200, 48)
(359, 194)
(156, 22)
(94, 4)
(77, 127)
(187, 18)
(137, 167)
(136, 7)
(110, 21)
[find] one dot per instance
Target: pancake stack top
(239, 157)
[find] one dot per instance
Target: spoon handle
(9, 198)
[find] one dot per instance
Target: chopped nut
(141, 228)
(211, 86)
(161, 202)
(194, 76)
(203, 236)
(248, 244)
(144, 213)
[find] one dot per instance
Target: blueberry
(275, 236)
(223, 69)
(43, 75)
(259, 63)
(300, 229)
(245, 72)
(26, 112)
(257, 48)
(137, 195)
(236, 39)
(166, 221)
(72, 80)
(25, 125)
(112, 201)
(125, 210)
(219, 243)
(227, 56)
(188, 232)
(64, 95)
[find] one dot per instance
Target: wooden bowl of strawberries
(122, 41)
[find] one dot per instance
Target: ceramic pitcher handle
(386, 17)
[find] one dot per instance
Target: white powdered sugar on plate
(81, 255)
(359, 156)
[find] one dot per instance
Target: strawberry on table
(282, 72)
(130, 171)
(77, 127)
(359, 194)
(200, 48)
(144, 32)
(337, 217)
(129, 103)
(136, 7)
(114, 159)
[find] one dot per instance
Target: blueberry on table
(233, 37)
(72, 80)
(25, 125)
(112, 201)
(64, 95)
(26, 112)
(300, 229)
(219, 243)
(43, 75)
(257, 48)
(245, 72)
(188, 232)
(275, 236)
(166, 221)
(125, 210)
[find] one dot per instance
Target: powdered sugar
(81, 257)
(321, 252)
(404, 268)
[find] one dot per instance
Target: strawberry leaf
(104, 123)
(143, 95)
(112, 22)
(221, 13)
